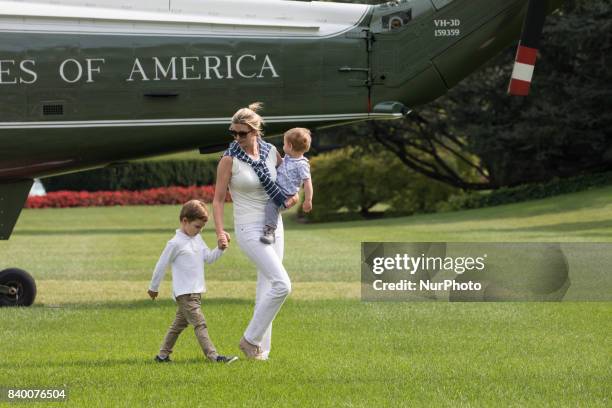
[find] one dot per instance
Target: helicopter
(92, 83)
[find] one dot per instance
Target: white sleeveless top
(248, 195)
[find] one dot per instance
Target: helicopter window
(396, 20)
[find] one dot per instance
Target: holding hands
(223, 240)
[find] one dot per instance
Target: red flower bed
(155, 196)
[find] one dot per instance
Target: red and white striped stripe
(522, 74)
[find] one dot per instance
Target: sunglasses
(240, 135)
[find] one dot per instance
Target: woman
(237, 170)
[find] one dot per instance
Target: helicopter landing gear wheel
(17, 288)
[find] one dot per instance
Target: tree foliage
(564, 127)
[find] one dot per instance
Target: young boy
(187, 252)
(293, 172)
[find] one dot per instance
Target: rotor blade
(527, 52)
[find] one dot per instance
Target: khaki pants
(189, 312)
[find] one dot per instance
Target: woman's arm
(224, 173)
(279, 159)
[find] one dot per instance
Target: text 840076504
(12, 394)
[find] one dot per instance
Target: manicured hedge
(168, 195)
(508, 195)
(138, 176)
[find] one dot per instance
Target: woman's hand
(291, 201)
(223, 240)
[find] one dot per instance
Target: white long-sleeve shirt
(187, 256)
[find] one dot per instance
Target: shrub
(138, 176)
(353, 181)
(525, 192)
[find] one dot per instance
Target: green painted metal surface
(12, 197)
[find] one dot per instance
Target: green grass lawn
(93, 329)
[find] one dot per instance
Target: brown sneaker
(250, 350)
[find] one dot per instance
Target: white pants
(273, 284)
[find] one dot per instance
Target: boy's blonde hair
(194, 210)
(299, 138)
(249, 116)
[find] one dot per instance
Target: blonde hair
(194, 210)
(299, 138)
(248, 116)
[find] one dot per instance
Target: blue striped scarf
(260, 168)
